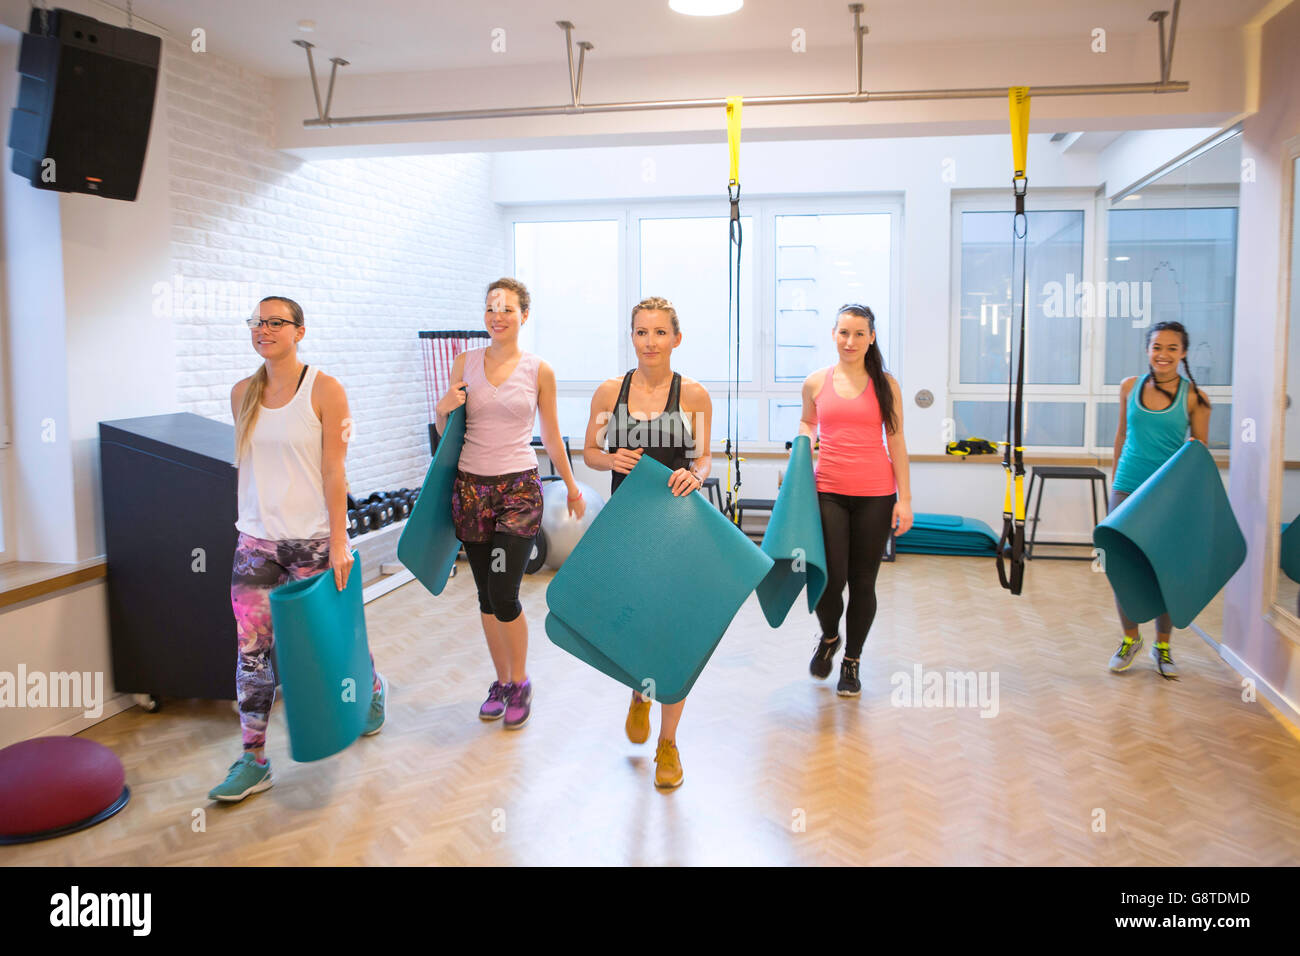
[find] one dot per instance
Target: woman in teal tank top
(1156, 410)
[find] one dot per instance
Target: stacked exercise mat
(947, 534)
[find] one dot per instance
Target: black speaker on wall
(85, 102)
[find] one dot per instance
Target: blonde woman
(653, 410)
(291, 429)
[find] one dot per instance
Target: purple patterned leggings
(261, 567)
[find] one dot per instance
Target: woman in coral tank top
(862, 484)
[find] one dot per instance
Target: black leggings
(856, 529)
(498, 567)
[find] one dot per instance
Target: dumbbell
(354, 526)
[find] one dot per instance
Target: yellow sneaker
(638, 720)
(668, 773)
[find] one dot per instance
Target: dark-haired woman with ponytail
(863, 487)
(1156, 410)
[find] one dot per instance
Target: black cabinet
(170, 492)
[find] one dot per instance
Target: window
(571, 271)
(685, 262)
(586, 266)
(822, 263)
(1169, 254)
(1057, 365)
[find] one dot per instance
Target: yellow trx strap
(733, 136)
(733, 296)
(1018, 103)
(1011, 546)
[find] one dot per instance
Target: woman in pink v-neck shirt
(496, 502)
(863, 488)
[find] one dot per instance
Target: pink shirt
(853, 459)
(499, 418)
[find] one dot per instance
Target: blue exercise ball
(562, 530)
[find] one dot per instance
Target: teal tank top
(1151, 438)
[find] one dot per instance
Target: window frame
(1041, 200)
(760, 285)
(1153, 196)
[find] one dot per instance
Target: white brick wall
(373, 249)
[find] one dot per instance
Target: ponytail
(248, 413)
(875, 363)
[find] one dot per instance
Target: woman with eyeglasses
(291, 433)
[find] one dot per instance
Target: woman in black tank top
(652, 410)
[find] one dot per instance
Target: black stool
(713, 491)
(752, 504)
(1041, 473)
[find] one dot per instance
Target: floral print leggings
(261, 567)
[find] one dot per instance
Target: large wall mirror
(1286, 509)
(1176, 237)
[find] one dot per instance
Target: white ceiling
(388, 36)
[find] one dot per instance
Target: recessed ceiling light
(306, 26)
(1121, 258)
(706, 8)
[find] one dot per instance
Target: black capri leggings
(855, 529)
(498, 567)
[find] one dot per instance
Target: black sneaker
(824, 657)
(849, 685)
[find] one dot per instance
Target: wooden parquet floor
(778, 769)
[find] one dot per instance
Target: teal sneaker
(378, 709)
(246, 777)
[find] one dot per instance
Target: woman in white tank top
(291, 433)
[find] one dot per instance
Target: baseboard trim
(1286, 711)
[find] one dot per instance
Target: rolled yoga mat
(428, 546)
(652, 586)
(1174, 542)
(793, 540)
(323, 662)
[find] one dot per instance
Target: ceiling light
(306, 26)
(706, 8)
(1121, 258)
(1133, 198)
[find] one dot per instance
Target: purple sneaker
(519, 704)
(494, 707)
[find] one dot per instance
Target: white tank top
(281, 490)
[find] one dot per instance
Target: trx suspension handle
(1011, 546)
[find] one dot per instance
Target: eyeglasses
(275, 325)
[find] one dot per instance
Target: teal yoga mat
(652, 586)
(793, 540)
(947, 534)
(323, 662)
(1290, 550)
(1174, 542)
(428, 546)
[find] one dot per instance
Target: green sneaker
(1164, 663)
(246, 777)
(1122, 659)
(378, 709)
